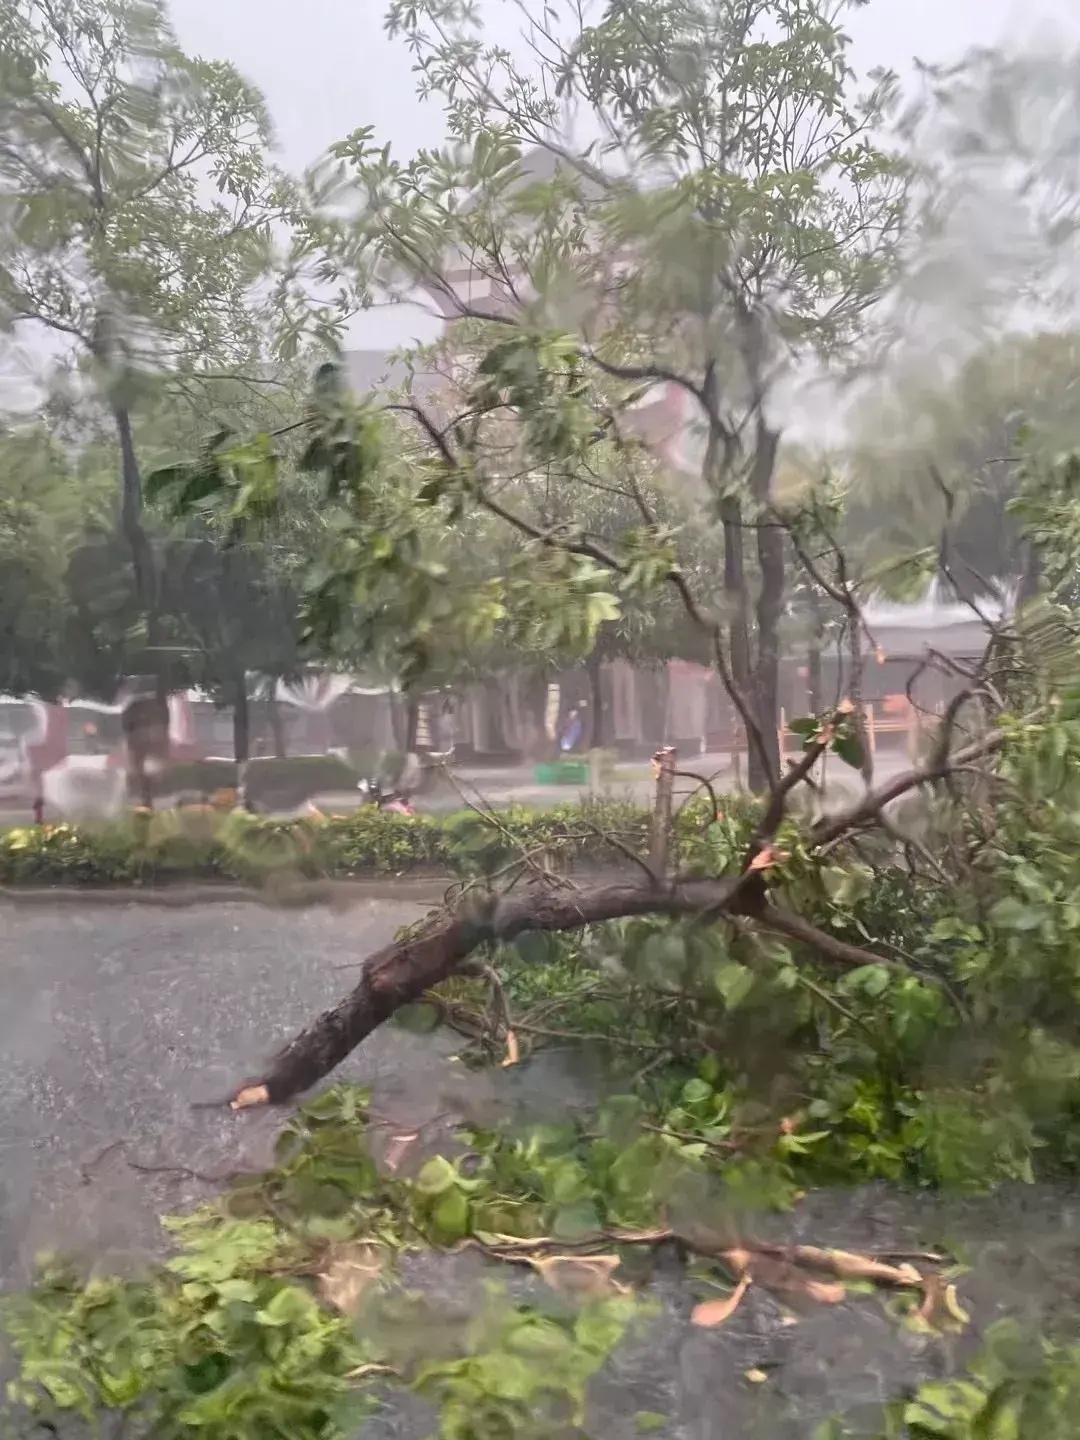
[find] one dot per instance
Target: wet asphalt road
(115, 1018)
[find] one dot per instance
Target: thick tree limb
(402, 971)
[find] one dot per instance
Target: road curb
(431, 890)
(292, 894)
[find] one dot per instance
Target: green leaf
(289, 1306)
(436, 1176)
(165, 478)
(696, 1092)
(1012, 913)
(450, 1218)
(870, 980)
(601, 607)
(581, 1218)
(647, 1421)
(941, 1405)
(734, 982)
(847, 746)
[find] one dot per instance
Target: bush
(195, 844)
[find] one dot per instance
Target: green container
(563, 772)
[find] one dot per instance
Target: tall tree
(138, 206)
(734, 222)
(46, 501)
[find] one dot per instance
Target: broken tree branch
(402, 971)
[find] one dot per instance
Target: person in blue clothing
(572, 731)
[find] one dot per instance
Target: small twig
(723, 1147)
(627, 850)
(703, 784)
(621, 1041)
(204, 1177)
(832, 1002)
(871, 805)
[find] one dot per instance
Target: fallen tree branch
(402, 971)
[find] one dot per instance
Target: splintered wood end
(249, 1097)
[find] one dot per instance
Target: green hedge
(201, 846)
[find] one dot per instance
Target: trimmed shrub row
(200, 845)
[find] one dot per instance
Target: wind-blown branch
(404, 970)
(870, 807)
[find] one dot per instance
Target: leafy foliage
(111, 135)
(228, 1338)
(194, 844)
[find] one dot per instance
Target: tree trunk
(134, 532)
(720, 454)
(815, 684)
(424, 956)
(241, 721)
(412, 723)
(738, 605)
(145, 724)
(277, 727)
(770, 608)
(596, 700)
(1031, 576)
(408, 967)
(855, 695)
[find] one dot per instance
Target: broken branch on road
(406, 969)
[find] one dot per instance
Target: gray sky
(333, 70)
(327, 68)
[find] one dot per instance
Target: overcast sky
(326, 68)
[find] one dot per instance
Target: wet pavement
(117, 1020)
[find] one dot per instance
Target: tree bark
(855, 695)
(412, 723)
(241, 721)
(408, 967)
(770, 608)
(134, 532)
(814, 680)
(721, 451)
(145, 724)
(738, 602)
(405, 969)
(277, 727)
(1031, 576)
